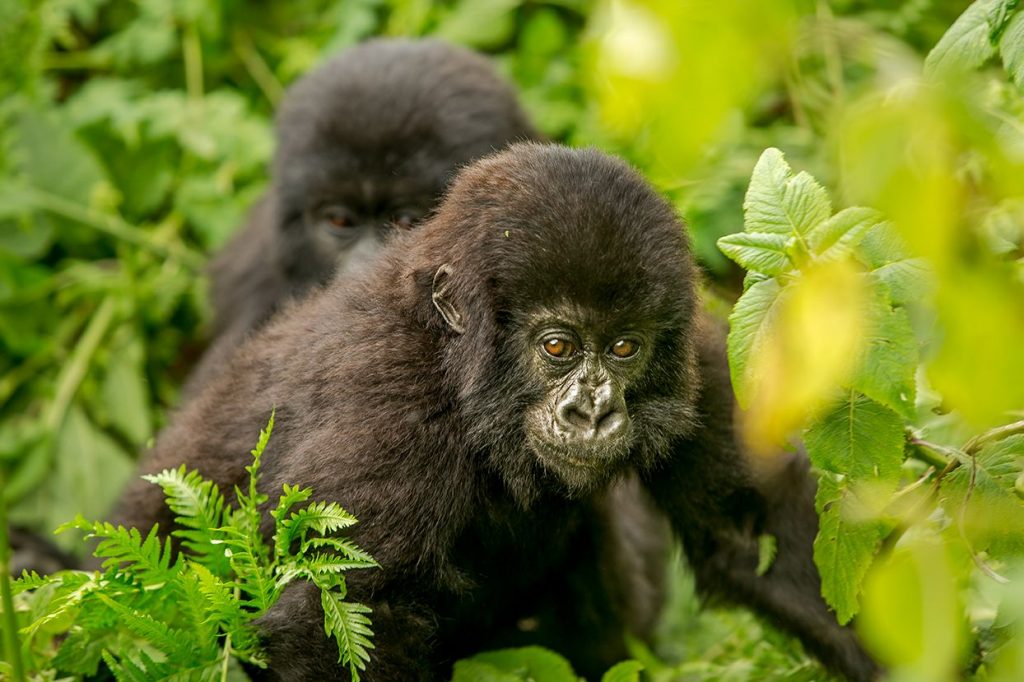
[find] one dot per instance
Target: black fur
(380, 130)
(419, 431)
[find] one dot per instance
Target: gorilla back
(470, 396)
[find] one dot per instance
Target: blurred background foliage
(134, 134)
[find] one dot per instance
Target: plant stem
(12, 647)
(113, 226)
(928, 453)
(257, 67)
(192, 53)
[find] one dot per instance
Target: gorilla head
(568, 283)
(369, 141)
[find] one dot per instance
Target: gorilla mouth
(577, 464)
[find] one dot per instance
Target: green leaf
(778, 201)
(749, 323)
(1011, 48)
(886, 370)
(967, 44)
(348, 624)
(908, 280)
(198, 506)
(479, 24)
(626, 671)
(767, 548)
(470, 670)
(530, 663)
(859, 439)
(993, 517)
(758, 251)
(844, 547)
(125, 390)
(837, 236)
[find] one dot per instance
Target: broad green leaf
(749, 324)
(53, 159)
(479, 24)
(626, 671)
(530, 663)
(90, 469)
(888, 361)
(858, 439)
(967, 44)
(758, 251)
(908, 280)
(994, 515)
(1011, 48)
(778, 201)
(844, 547)
(837, 236)
(471, 670)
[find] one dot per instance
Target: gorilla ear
(442, 298)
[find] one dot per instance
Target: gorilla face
(582, 428)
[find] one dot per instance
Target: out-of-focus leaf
(844, 548)
(889, 359)
(801, 352)
(527, 663)
(759, 251)
(478, 24)
(837, 236)
(470, 670)
(626, 671)
(778, 201)
(967, 44)
(911, 619)
(90, 471)
(994, 515)
(53, 159)
(979, 361)
(1011, 48)
(125, 390)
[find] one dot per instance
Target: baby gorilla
(497, 398)
(366, 145)
(470, 397)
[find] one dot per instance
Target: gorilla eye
(559, 348)
(337, 219)
(625, 348)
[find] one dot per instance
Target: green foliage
(879, 290)
(154, 611)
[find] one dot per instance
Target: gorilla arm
(718, 511)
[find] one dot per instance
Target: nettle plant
(834, 323)
(154, 612)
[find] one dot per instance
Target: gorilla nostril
(610, 424)
(576, 418)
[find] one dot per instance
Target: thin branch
(257, 67)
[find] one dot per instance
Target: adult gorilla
(474, 396)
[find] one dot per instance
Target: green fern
(157, 613)
(199, 508)
(348, 624)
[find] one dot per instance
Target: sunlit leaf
(967, 43)
(778, 201)
(1011, 48)
(911, 618)
(836, 237)
(844, 547)
(758, 251)
(749, 324)
(889, 356)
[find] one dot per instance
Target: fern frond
(125, 550)
(342, 546)
(250, 562)
(68, 597)
(176, 644)
(198, 506)
(139, 667)
(291, 496)
(348, 624)
(320, 517)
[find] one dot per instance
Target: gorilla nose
(603, 420)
